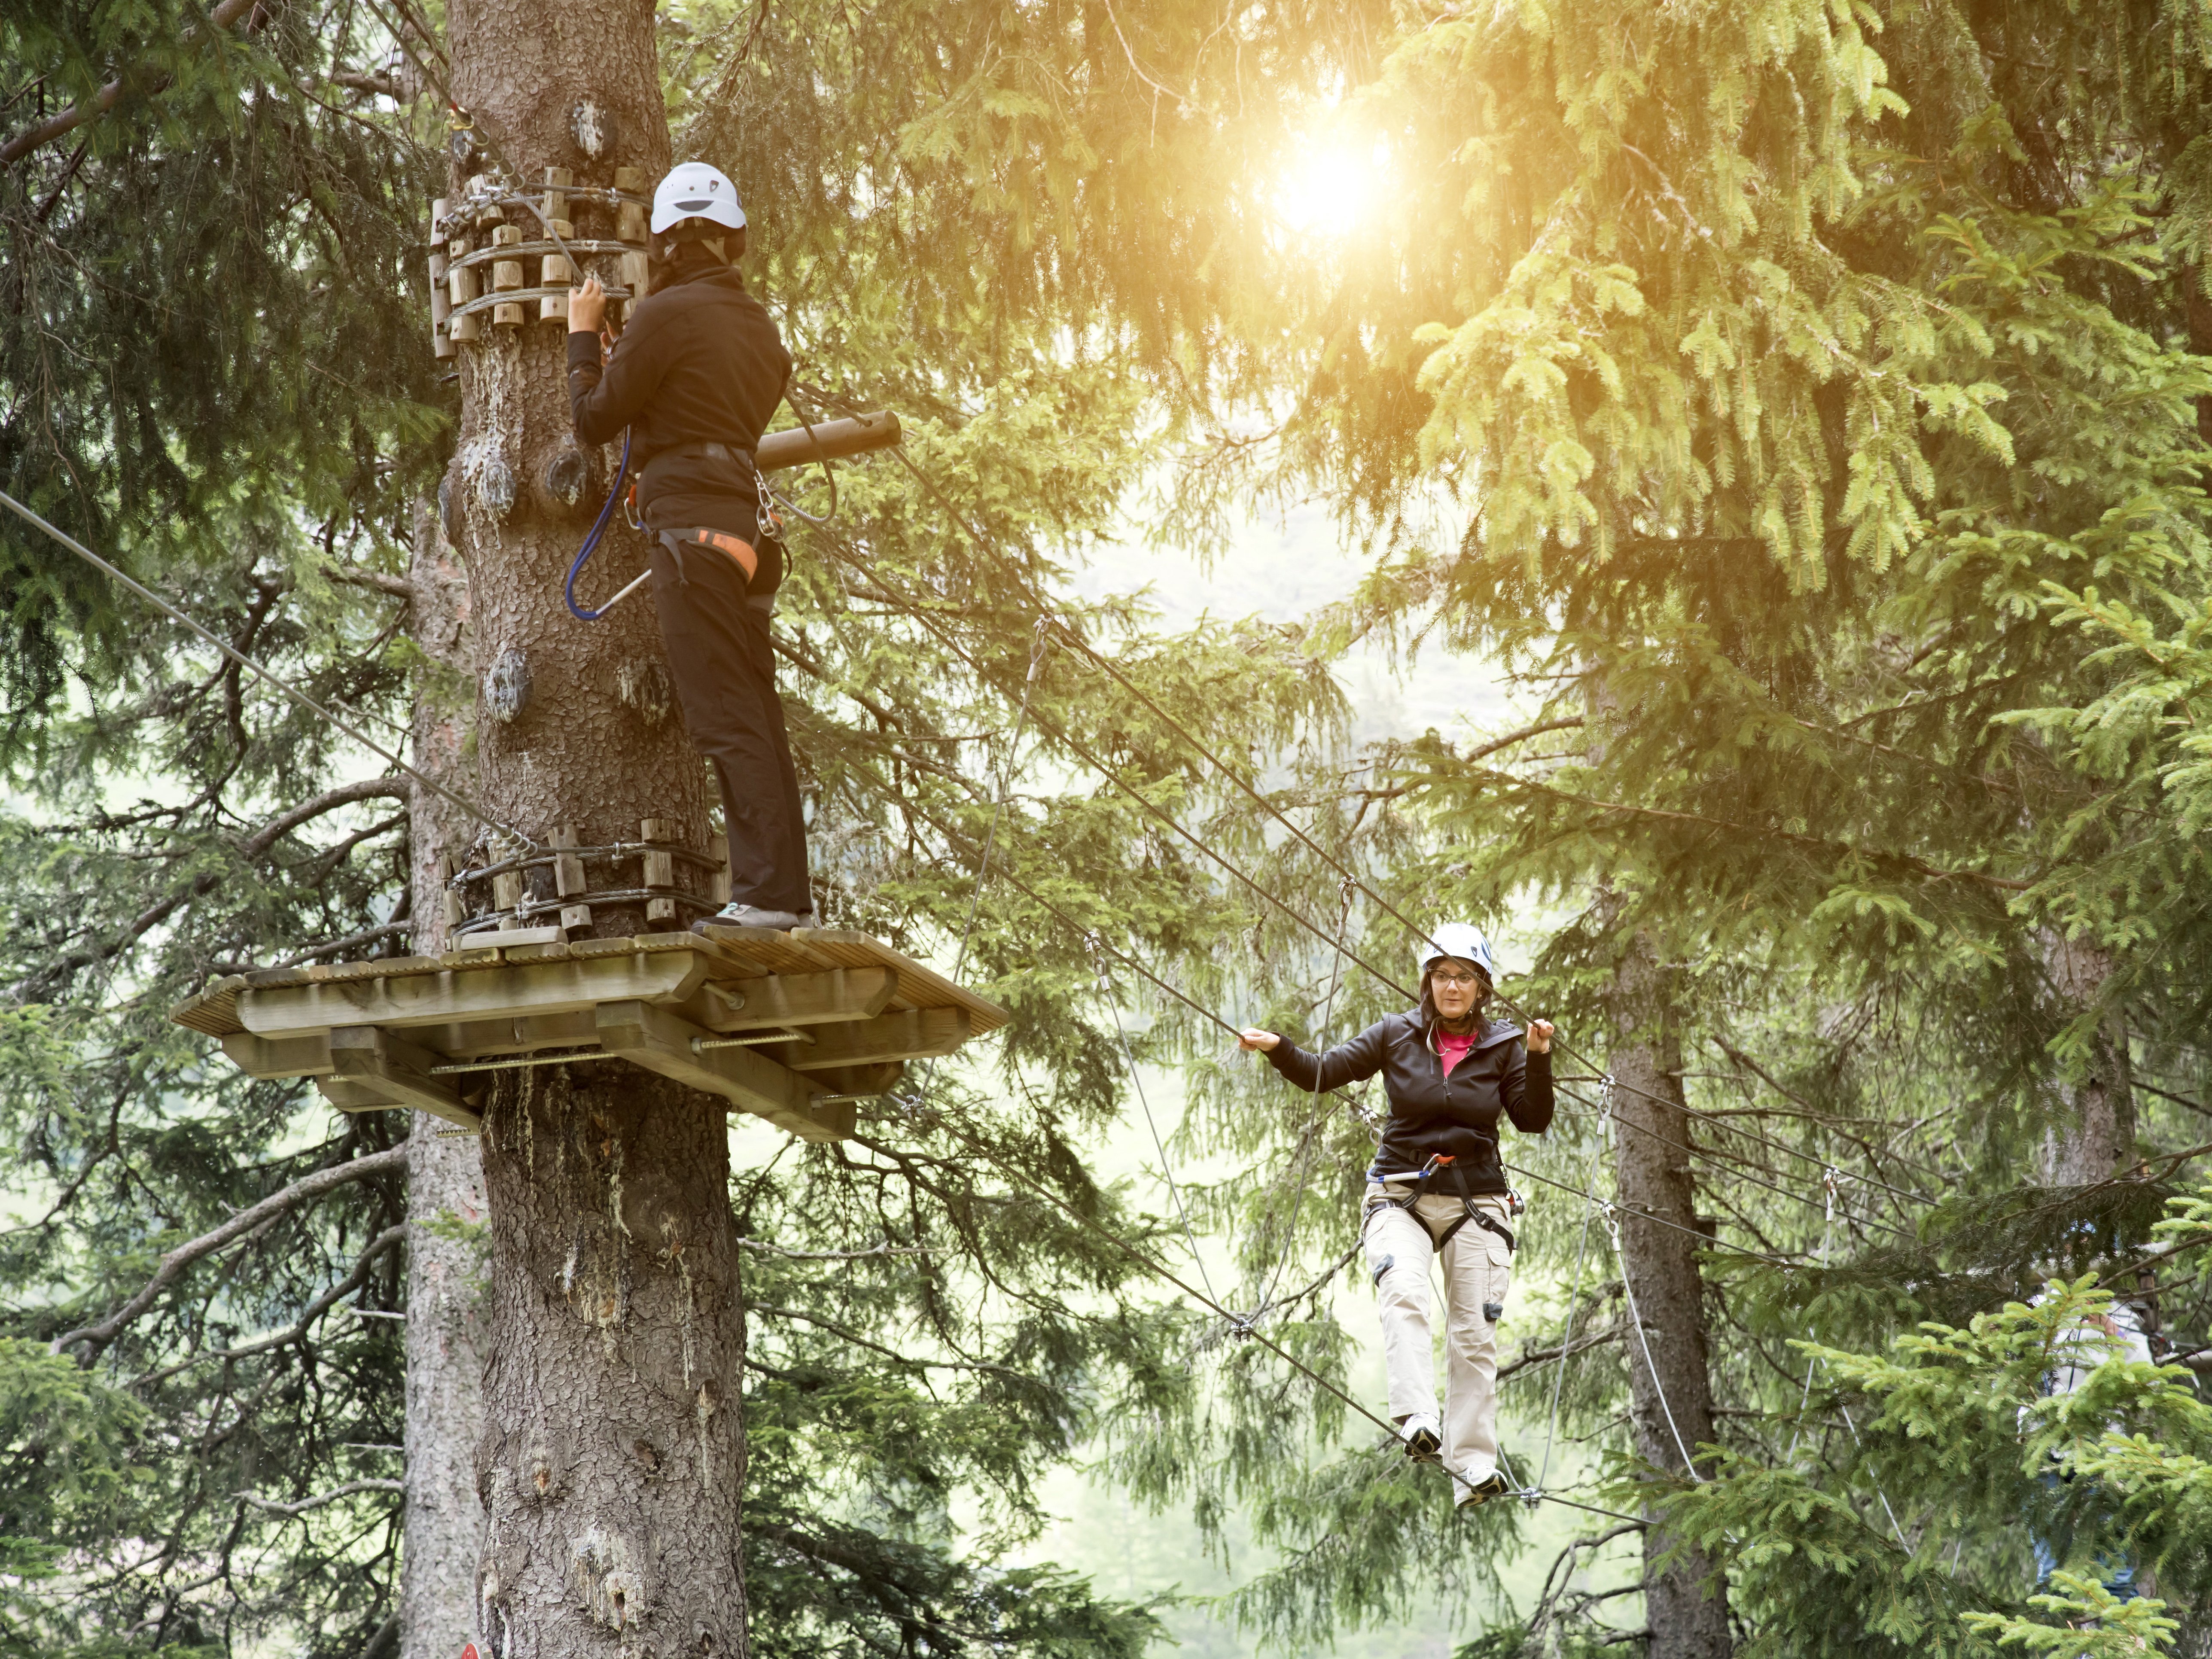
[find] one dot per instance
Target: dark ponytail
(687, 245)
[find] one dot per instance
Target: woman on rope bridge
(696, 377)
(1436, 1187)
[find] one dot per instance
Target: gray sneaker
(751, 915)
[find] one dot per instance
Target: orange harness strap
(721, 541)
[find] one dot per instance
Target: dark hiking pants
(725, 672)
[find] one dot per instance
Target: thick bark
(611, 1468)
(1671, 1401)
(2094, 1137)
(612, 1454)
(447, 1308)
(592, 741)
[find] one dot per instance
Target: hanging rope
(1574, 1293)
(1305, 1141)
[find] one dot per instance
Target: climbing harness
(1417, 1190)
(771, 508)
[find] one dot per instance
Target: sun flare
(1328, 181)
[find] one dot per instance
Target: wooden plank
(660, 1040)
(544, 987)
(377, 1060)
(349, 1096)
(479, 1039)
(755, 1004)
(292, 1056)
(843, 948)
(913, 1034)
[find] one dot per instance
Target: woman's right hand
(1251, 1038)
(588, 307)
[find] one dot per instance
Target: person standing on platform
(695, 377)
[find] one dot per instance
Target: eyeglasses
(1458, 982)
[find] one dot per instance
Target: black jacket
(700, 361)
(1430, 1113)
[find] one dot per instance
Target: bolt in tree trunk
(447, 1311)
(1671, 1401)
(612, 1453)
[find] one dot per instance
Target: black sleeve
(602, 402)
(1529, 1093)
(1348, 1063)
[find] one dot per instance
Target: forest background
(1799, 412)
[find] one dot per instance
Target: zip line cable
(1083, 649)
(276, 682)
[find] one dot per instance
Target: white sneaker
(1470, 1491)
(751, 915)
(1423, 1434)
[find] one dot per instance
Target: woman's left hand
(1539, 1037)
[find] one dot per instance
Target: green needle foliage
(1811, 400)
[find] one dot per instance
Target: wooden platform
(827, 1017)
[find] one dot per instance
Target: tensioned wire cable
(1084, 649)
(275, 681)
(1244, 1325)
(922, 614)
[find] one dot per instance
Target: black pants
(724, 671)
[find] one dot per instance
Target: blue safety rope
(592, 543)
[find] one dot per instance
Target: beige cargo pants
(1478, 1268)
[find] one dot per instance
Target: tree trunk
(1671, 1401)
(448, 1310)
(611, 1465)
(612, 1452)
(2095, 1135)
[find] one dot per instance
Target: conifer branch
(255, 846)
(1917, 865)
(270, 1506)
(398, 587)
(305, 1190)
(69, 120)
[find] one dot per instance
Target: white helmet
(1462, 941)
(695, 191)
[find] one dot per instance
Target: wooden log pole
(832, 441)
(441, 304)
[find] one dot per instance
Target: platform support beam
(371, 1058)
